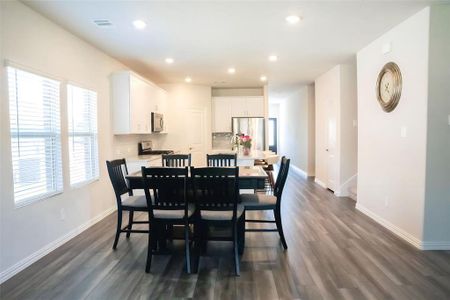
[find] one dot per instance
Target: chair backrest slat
(281, 178)
(176, 160)
(221, 160)
(117, 169)
(216, 188)
(168, 186)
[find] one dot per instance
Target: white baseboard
(299, 171)
(435, 245)
(319, 182)
(344, 189)
(27, 261)
(422, 245)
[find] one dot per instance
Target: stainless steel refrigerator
(253, 127)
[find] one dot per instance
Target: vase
(246, 151)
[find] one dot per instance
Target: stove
(145, 148)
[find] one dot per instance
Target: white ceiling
(207, 37)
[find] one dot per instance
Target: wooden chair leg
(130, 222)
(235, 245)
(118, 229)
(187, 246)
(241, 234)
(280, 227)
(150, 247)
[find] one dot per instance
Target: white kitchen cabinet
(221, 114)
(224, 108)
(247, 106)
(254, 106)
(133, 101)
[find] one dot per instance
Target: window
(35, 135)
(83, 145)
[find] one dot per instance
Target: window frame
(73, 134)
(57, 135)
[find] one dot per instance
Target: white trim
(299, 171)
(443, 245)
(344, 189)
(27, 261)
(321, 183)
(436, 245)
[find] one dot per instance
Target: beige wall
(295, 127)
(181, 99)
(391, 168)
(437, 190)
(336, 103)
(32, 41)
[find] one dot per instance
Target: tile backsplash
(222, 140)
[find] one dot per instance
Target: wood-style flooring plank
(335, 252)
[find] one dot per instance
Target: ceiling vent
(103, 23)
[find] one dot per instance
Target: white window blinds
(83, 145)
(35, 135)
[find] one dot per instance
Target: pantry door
(196, 136)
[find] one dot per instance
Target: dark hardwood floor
(334, 252)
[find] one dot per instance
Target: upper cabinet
(224, 108)
(133, 101)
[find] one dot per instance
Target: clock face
(389, 86)
(386, 87)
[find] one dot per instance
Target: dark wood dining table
(250, 177)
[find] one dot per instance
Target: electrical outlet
(386, 201)
(129, 149)
(62, 214)
(355, 123)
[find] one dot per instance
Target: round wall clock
(389, 86)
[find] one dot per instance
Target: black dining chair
(176, 160)
(221, 160)
(216, 194)
(168, 205)
(126, 201)
(254, 202)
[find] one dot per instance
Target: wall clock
(389, 86)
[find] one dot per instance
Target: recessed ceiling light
(188, 79)
(273, 58)
(169, 60)
(293, 19)
(231, 70)
(263, 78)
(139, 24)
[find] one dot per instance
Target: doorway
(195, 134)
(273, 135)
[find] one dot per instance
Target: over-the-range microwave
(157, 122)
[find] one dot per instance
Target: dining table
(250, 178)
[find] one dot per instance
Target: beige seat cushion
(173, 213)
(258, 201)
(221, 215)
(135, 201)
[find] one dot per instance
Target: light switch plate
(386, 48)
(403, 131)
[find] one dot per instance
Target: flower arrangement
(246, 141)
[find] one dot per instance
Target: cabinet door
(255, 106)
(221, 115)
(238, 107)
(138, 105)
